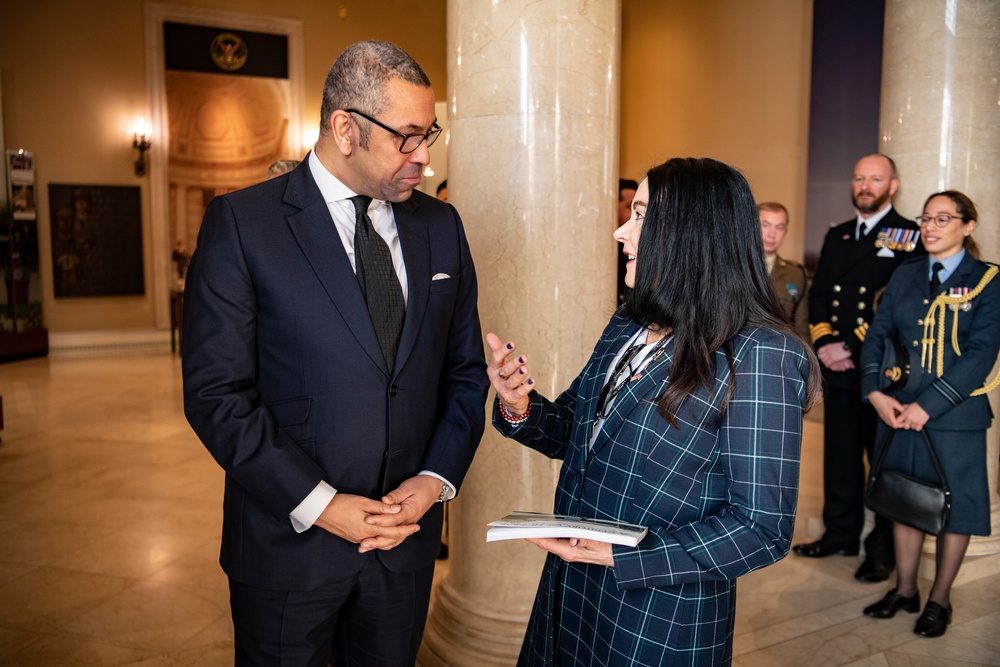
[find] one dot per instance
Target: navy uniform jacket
(958, 421)
(286, 385)
(848, 277)
(717, 493)
(901, 316)
(791, 284)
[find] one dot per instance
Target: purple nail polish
(520, 360)
(509, 346)
(531, 381)
(521, 371)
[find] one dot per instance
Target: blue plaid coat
(718, 493)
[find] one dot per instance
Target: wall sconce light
(140, 141)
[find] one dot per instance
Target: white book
(518, 525)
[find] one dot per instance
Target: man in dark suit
(856, 261)
(340, 383)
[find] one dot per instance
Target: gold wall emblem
(228, 51)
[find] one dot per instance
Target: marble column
(940, 122)
(533, 165)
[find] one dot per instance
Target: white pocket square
(885, 252)
(440, 276)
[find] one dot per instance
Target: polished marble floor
(109, 521)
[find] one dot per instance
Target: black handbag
(912, 502)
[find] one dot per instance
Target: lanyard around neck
(619, 378)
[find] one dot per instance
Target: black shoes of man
(870, 572)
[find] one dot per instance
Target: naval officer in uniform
(856, 261)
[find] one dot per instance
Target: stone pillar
(533, 165)
(940, 122)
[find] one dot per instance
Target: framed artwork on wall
(96, 240)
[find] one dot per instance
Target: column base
(461, 633)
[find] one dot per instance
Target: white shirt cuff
(304, 516)
(448, 491)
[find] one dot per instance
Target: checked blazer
(718, 493)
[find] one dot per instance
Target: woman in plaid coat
(687, 419)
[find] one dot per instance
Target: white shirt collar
(871, 222)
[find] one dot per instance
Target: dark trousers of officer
(849, 435)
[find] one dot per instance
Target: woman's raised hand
(509, 375)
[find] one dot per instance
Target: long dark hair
(701, 272)
(967, 209)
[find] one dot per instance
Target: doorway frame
(155, 14)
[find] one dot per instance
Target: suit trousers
(848, 436)
(373, 619)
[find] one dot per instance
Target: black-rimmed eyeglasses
(411, 142)
(941, 219)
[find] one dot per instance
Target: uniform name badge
(960, 292)
(897, 238)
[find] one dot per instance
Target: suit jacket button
(862, 290)
(861, 305)
(835, 303)
(860, 320)
(915, 343)
(836, 288)
(834, 318)
(393, 390)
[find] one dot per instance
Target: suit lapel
(647, 386)
(414, 240)
(317, 236)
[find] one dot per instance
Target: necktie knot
(361, 204)
(935, 278)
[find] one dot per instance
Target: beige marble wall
(533, 159)
(940, 121)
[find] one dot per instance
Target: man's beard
(876, 203)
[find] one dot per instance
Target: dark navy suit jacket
(286, 385)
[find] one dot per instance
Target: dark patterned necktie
(378, 280)
(935, 280)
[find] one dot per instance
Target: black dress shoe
(821, 549)
(934, 621)
(893, 602)
(872, 571)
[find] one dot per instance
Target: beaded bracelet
(511, 419)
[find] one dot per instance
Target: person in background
(662, 429)
(281, 167)
(941, 398)
(333, 366)
(855, 263)
(788, 278)
(626, 192)
(442, 190)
